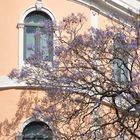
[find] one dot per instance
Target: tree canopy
(94, 79)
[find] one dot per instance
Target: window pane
(29, 42)
(37, 131)
(120, 61)
(36, 17)
(36, 39)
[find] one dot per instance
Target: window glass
(120, 62)
(37, 131)
(36, 17)
(36, 39)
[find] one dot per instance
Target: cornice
(110, 8)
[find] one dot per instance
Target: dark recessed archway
(37, 131)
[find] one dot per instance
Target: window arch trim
(19, 135)
(21, 30)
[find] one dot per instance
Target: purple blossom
(130, 29)
(65, 80)
(133, 83)
(137, 107)
(34, 60)
(49, 43)
(109, 33)
(23, 74)
(56, 63)
(76, 75)
(136, 74)
(121, 37)
(51, 93)
(137, 24)
(13, 74)
(49, 26)
(79, 40)
(133, 44)
(71, 21)
(60, 49)
(87, 73)
(98, 36)
(76, 42)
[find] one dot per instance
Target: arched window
(120, 61)
(36, 39)
(37, 131)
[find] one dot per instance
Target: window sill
(7, 83)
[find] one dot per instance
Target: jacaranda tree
(93, 80)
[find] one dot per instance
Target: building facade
(19, 22)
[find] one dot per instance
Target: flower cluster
(14, 74)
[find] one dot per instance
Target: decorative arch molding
(38, 7)
(30, 120)
(34, 8)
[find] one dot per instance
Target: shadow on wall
(27, 102)
(49, 112)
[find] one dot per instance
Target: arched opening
(36, 39)
(37, 131)
(26, 17)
